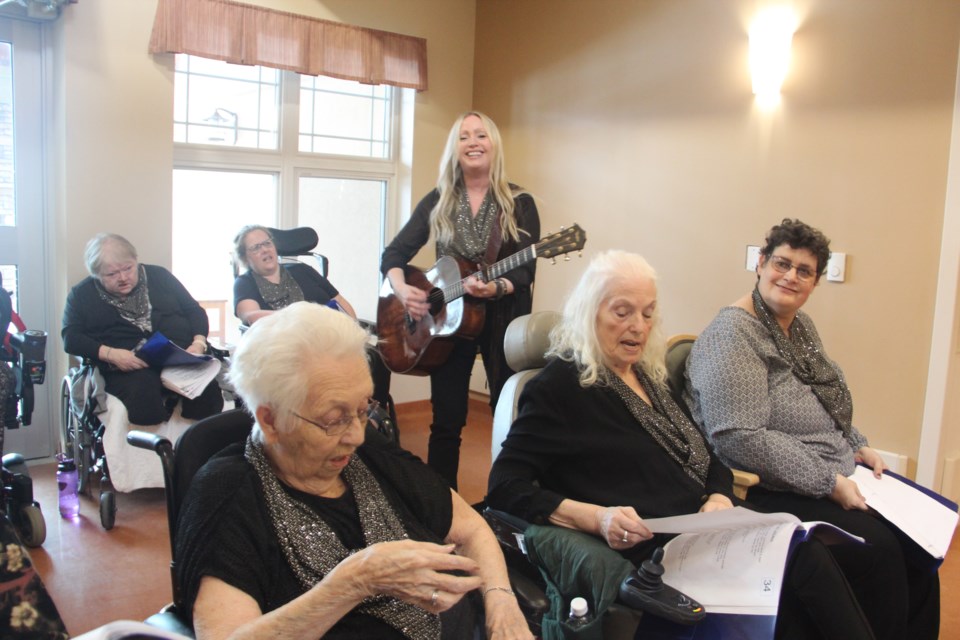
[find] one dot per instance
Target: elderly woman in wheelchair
(107, 316)
(112, 311)
(316, 525)
(599, 444)
(268, 285)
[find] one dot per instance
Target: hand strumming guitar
(414, 300)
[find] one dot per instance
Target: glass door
(22, 234)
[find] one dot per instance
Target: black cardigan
(89, 321)
(584, 444)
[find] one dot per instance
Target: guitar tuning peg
(553, 260)
(566, 257)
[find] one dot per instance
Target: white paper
(927, 521)
(735, 518)
(190, 380)
(128, 628)
(734, 571)
(732, 560)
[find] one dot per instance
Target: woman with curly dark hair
(760, 385)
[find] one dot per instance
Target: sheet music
(190, 380)
(930, 523)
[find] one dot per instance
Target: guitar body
(419, 347)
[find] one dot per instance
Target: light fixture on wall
(770, 37)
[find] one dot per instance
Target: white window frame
(290, 163)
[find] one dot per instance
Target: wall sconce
(770, 36)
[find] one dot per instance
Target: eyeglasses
(782, 265)
(344, 422)
(122, 271)
(266, 244)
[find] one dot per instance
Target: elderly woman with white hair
(317, 526)
(599, 444)
(117, 307)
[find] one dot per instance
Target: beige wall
(636, 120)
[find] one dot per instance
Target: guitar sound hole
(436, 301)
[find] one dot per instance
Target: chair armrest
(742, 481)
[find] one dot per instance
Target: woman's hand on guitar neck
(477, 288)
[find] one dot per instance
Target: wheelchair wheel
(32, 526)
(84, 460)
(108, 509)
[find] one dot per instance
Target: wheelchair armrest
(530, 595)
(146, 440)
(163, 447)
(219, 354)
(507, 528)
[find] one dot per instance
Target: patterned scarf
(278, 296)
(312, 548)
(665, 423)
(135, 307)
(471, 234)
(809, 364)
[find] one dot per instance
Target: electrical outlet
(753, 257)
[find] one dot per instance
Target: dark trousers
(816, 600)
(896, 586)
(148, 402)
(450, 392)
(449, 395)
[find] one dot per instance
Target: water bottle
(579, 614)
(67, 485)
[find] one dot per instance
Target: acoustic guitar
(419, 347)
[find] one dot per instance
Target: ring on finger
(433, 598)
(625, 534)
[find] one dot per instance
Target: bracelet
(501, 289)
(504, 589)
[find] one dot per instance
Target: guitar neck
(456, 289)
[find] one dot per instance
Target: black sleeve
(528, 222)
(537, 438)
(245, 288)
(412, 236)
(225, 533)
(76, 341)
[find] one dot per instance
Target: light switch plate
(753, 257)
(837, 267)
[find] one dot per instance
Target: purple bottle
(67, 485)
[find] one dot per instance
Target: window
(261, 146)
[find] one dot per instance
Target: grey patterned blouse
(758, 415)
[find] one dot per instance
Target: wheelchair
(525, 345)
(23, 357)
(182, 462)
(85, 438)
(300, 242)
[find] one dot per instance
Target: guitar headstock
(563, 241)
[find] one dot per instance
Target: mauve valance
(245, 34)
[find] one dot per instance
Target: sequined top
(758, 415)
